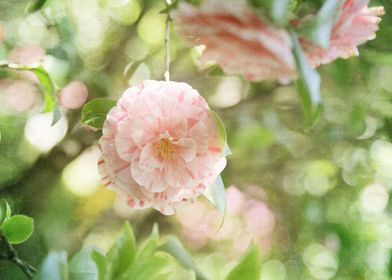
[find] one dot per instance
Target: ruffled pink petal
(356, 25)
(165, 176)
(237, 39)
(186, 149)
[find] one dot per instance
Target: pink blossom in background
(357, 24)
(73, 95)
(26, 54)
(160, 146)
(248, 219)
(20, 96)
(237, 39)
(1, 34)
(243, 43)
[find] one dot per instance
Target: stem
(12, 256)
(167, 43)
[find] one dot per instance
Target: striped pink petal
(160, 146)
(356, 25)
(237, 39)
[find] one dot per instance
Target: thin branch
(12, 256)
(167, 42)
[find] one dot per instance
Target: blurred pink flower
(20, 96)
(1, 34)
(26, 54)
(356, 24)
(247, 219)
(160, 146)
(73, 95)
(237, 39)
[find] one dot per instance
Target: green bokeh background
(319, 184)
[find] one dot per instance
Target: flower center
(164, 148)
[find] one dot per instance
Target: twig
(12, 256)
(167, 42)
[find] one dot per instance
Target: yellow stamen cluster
(164, 148)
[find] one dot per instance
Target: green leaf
(94, 112)
(5, 211)
(47, 85)
(149, 268)
(174, 247)
(35, 5)
(308, 84)
(221, 131)
(150, 245)
(319, 28)
(279, 11)
(122, 253)
(215, 70)
(249, 266)
(216, 194)
(54, 267)
(88, 264)
(18, 228)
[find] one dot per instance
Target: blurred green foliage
(328, 187)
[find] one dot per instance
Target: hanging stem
(167, 42)
(12, 256)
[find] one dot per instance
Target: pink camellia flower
(160, 146)
(237, 39)
(356, 24)
(73, 95)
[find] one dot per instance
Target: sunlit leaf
(150, 267)
(48, 88)
(87, 264)
(319, 27)
(122, 253)
(5, 211)
(221, 131)
(308, 85)
(249, 266)
(216, 194)
(54, 267)
(18, 228)
(150, 245)
(174, 247)
(35, 5)
(94, 112)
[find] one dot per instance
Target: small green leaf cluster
(124, 260)
(16, 228)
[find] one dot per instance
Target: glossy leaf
(94, 112)
(174, 247)
(122, 253)
(54, 267)
(308, 85)
(249, 266)
(18, 228)
(216, 194)
(319, 27)
(88, 264)
(5, 211)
